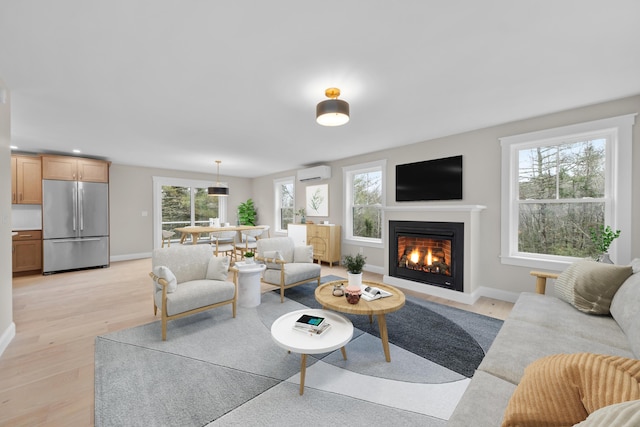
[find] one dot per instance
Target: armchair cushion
(284, 245)
(196, 293)
(165, 273)
(303, 254)
(218, 268)
(293, 272)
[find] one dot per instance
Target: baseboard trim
(129, 257)
(7, 337)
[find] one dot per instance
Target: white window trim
(277, 183)
(161, 181)
(347, 180)
(619, 213)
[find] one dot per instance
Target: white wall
(7, 327)
(131, 194)
(482, 157)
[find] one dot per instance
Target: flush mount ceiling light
(333, 111)
(218, 190)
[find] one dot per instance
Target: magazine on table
(312, 324)
(370, 293)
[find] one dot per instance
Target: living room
(134, 235)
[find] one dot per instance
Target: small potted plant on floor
(354, 266)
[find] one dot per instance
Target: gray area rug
(217, 370)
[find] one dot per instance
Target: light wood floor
(47, 371)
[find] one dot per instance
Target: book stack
(311, 324)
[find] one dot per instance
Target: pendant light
(218, 190)
(332, 111)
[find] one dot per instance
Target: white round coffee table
(336, 337)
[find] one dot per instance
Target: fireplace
(427, 252)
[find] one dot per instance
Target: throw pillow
(273, 255)
(218, 268)
(165, 273)
(589, 285)
(563, 389)
(303, 254)
(625, 414)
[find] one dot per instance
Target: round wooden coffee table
(379, 307)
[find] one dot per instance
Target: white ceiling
(178, 84)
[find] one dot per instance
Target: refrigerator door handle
(92, 239)
(81, 207)
(75, 203)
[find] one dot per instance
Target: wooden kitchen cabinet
(325, 240)
(68, 168)
(26, 180)
(27, 251)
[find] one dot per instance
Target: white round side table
(249, 283)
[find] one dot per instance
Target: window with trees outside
(180, 203)
(364, 202)
(284, 190)
(561, 183)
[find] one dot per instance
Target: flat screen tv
(439, 179)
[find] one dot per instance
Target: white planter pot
(355, 280)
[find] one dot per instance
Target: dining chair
(224, 242)
(248, 243)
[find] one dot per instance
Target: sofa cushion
(303, 254)
(589, 285)
(563, 389)
(163, 272)
(625, 414)
(520, 343)
(624, 309)
(218, 268)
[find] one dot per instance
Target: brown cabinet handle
(25, 236)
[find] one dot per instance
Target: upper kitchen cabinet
(74, 169)
(26, 180)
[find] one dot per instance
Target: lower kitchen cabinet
(27, 251)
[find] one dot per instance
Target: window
(180, 203)
(284, 190)
(364, 199)
(560, 183)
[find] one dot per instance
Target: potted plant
(248, 257)
(602, 237)
(302, 214)
(247, 213)
(354, 265)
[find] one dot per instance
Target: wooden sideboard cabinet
(26, 180)
(67, 168)
(325, 240)
(27, 251)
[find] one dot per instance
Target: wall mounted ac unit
(314, 173)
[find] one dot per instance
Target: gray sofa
(543, 325)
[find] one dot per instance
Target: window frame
(277, 186)
(617, 187)
(348, 173)
(159, 182)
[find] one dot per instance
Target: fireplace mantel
(470, 215)
(436, 208)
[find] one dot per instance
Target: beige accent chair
(189, 280)
(288, 265)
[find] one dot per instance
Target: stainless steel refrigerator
(75, 225)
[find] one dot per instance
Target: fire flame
(415, 256)
(429, 258)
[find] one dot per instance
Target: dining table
(196, 230)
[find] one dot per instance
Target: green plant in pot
(354, 266)
(247, 213)
(302, 214)
(248, 256)
(602, 237)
